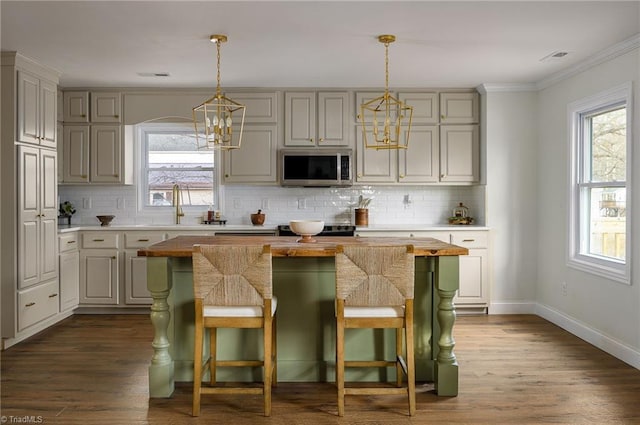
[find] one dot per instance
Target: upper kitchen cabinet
(419, 163)
(76, 106)
(425, 106)
(95, 107)
(106, 107)
(255, 161)
(96, 151)
(36, 112)
(316, 119)
(459, 108)
(460, 153)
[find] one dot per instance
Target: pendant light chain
(218, 91)
(386, 67)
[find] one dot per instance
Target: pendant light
(385, 118)
(219, 121)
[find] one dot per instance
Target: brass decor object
(386, 130)
(219, 121)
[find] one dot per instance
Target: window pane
(174, 158)
(196, 187)
(607, 222)
(609, 146)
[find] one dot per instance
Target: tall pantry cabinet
(30, 292)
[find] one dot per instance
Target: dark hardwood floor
(513, 370)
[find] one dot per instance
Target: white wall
(604, 312)
(510, 125)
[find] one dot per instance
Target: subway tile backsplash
(428, 205)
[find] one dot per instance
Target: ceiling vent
(558, 54)
(154, 74)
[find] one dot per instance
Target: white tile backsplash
(428, 204)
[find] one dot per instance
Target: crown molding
(603, 56)
(506, 87)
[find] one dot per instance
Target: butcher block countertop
(286, 246)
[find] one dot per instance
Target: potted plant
(66, 211)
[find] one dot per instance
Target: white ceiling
(312, 43)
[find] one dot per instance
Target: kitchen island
(304, 282)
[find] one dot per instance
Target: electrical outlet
(265, 204)
(237, 204)
(563, 288)
(86, 203)
(120, 203)
(302, 204)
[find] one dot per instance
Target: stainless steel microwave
(316, 167)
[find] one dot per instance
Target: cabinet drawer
(36, 304)
(100, 240)
(470, 239)
(68, 242)
(141, 240)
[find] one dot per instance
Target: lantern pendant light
(385, 120)
(219, 121)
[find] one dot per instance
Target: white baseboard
(607, 344)
(512, 307)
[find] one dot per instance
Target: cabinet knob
(116, 116)
(113, 258)
(226, 176)
(321, 140)
(71, 241)
(442, 117)
(115, 175)
(441, 176)
(401, 176)
(53, 295)
(83, 115)
(30, 304)
(410, 235)
(311, 140)
(42, 215)
(359, 175)
(143, 240)
(84, 176)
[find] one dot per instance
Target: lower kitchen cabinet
(99, 268)
(37, 303)
(473, 294)
(69, 271)
(135, 268)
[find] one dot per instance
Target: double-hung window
(170, 156)
(600, 184)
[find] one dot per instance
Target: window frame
(580, 147)
(141, 162)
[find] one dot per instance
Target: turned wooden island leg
(161, 370)
(446, 366)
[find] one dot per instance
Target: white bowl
(306, 229)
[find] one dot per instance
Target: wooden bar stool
(233, 289)
(374, 289)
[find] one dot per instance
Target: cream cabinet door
(76, 154)
(29, 251)
(426, 108)
(375, 166)
(48, 243)
(106, 107)
(99, 276)
(261, 107)
(48, 114)
(459, 108)
(300, 119)
(76, 106)
(333, 119)
(105, 153)
(255, 161)
(135, 280)
(420, 162)
(459, 153)
(69, 280)
(28, 108)
(474, 278)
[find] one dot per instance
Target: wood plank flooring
(513, 370)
